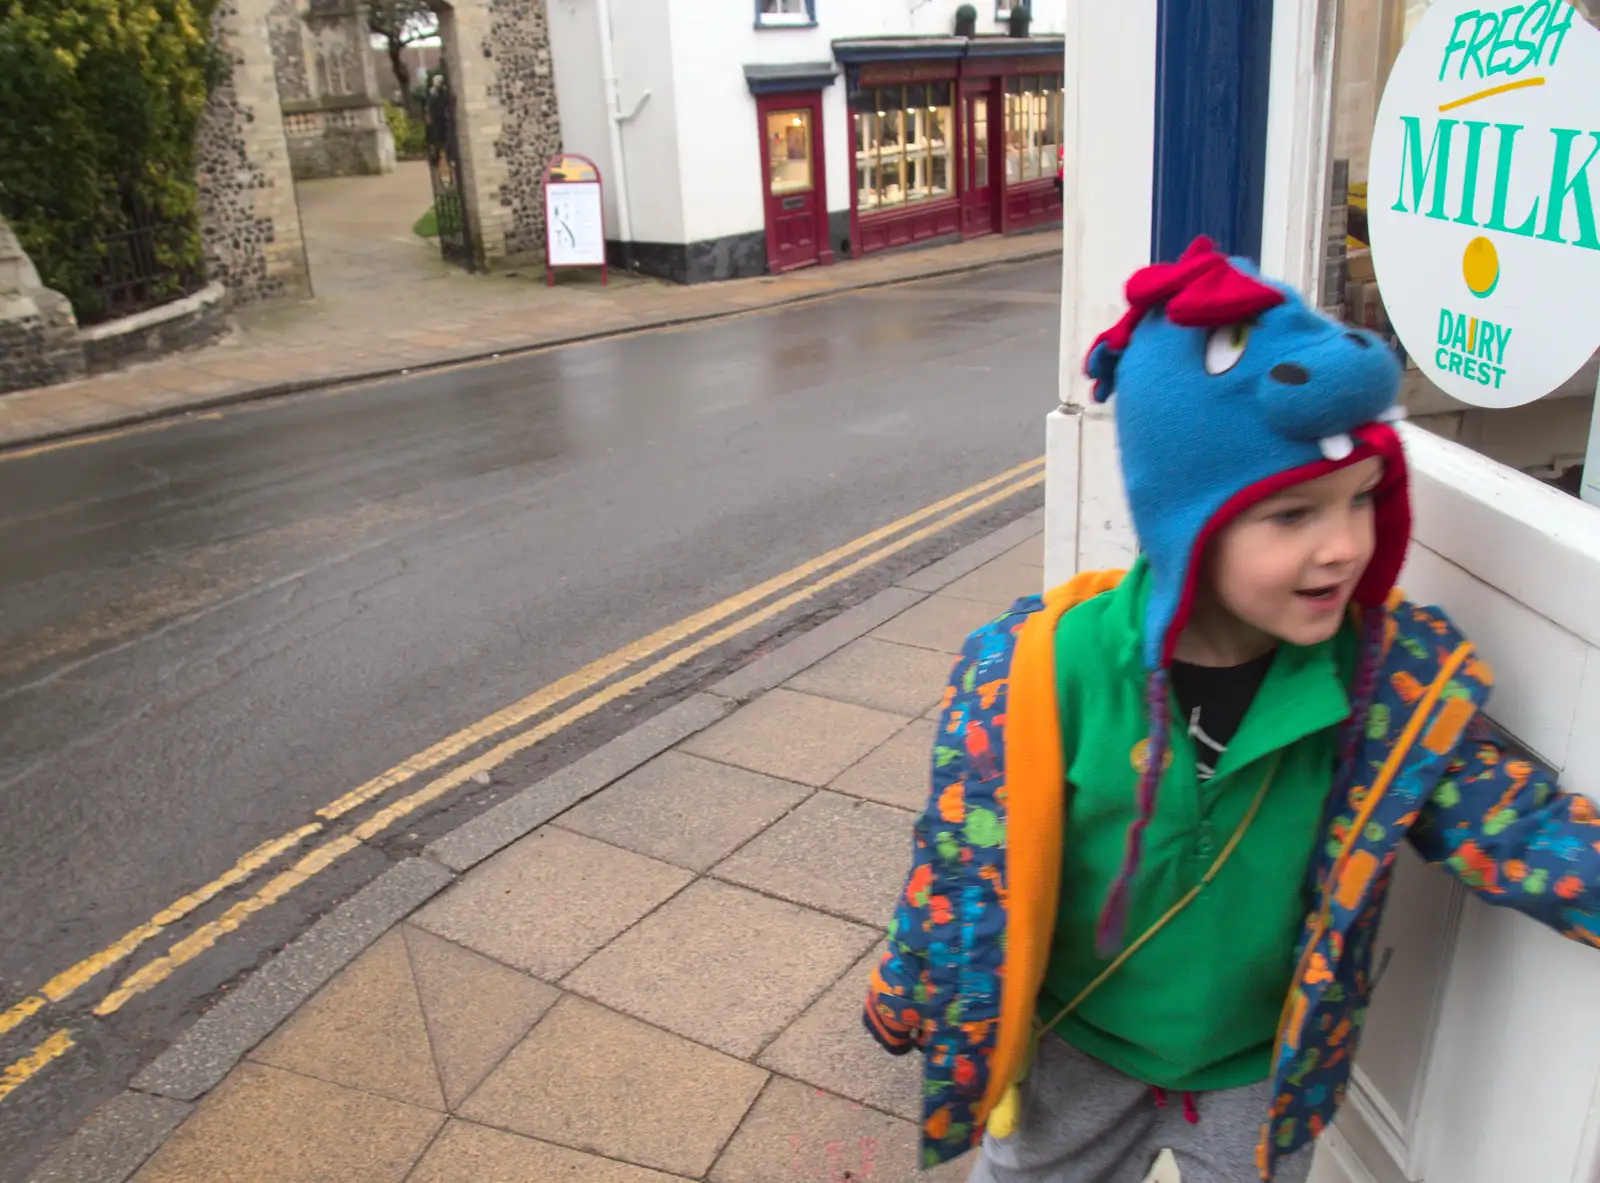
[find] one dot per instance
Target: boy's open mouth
(1320, 594)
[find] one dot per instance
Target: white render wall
(694, 152)
(643, 59)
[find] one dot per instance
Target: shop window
(782, 13)
(1546, 438)
(1033, 127)
(903, 144)
(789, 152)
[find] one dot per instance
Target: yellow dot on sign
(1480, 265)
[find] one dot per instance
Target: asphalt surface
(212, 628)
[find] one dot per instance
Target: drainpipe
(614, 121)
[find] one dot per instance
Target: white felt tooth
(1337, 447)
(1393, 415)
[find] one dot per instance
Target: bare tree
(399, 23)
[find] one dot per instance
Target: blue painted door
(1213, 59)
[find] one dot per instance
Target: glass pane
(891, 189)
(789, 151)
(866, 156)
(1016, 136)
(939, 174)
(939, 94)
(780, 7)
(980, 143)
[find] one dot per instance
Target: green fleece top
(1198, 1007)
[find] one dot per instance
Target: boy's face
(1289, 565)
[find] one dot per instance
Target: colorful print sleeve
(898, 1000)
(1498, 821)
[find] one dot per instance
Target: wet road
(211, 629)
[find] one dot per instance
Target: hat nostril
(1290, 374)
(1358, 339)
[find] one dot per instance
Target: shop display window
(1033, 126)
(904, 144)
(1546, 438)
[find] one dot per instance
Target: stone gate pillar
(248, 217)
(497, 54)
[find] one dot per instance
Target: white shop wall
(712, 42)
(641, 39)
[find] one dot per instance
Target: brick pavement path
(433, 314)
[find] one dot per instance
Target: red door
(793, 183)
(980, 156)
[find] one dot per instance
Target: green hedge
(410, 133)
(100, 108)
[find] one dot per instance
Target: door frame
(984, 86)
(811, 100)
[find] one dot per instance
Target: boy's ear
(1102, 367)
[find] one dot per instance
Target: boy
(1136, 941)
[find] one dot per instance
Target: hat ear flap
(1102, 367)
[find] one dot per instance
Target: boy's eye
(1289, 517)
(1365, 497)
(1225, 346)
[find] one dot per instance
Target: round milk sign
(1483, 202)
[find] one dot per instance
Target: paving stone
(803, 1133)
(1029, 554)
(797, 737)
(594, 1080)
(837, 853)
(476, 1009)
(897, 773)
(265, 1125)
(1001, 583)
(468, 1153)
(829, 1048)
(940, 622)
(722, 965)
(902, 679)
(363, 1030)
(550, 900)
(685, 810)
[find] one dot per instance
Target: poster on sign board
(575, 228)
(1484, 198)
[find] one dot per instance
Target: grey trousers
(1083, 1122)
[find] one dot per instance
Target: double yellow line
(672, 647)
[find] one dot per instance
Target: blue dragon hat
(1229, 388)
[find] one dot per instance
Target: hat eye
(1225, 346)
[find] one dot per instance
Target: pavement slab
(895, 774)
(798, 737)
(724, 966)
(550, 900)
(900, 679)
(468, 1153)
(804, 1133)
(941, 623)
(825, 1048)
(265, 1125)
(594, 1080)
(476, 1009)
(364, 1030)
(832, 853)
(685, 810)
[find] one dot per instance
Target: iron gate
(444, 168)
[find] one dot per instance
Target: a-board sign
(575, 223)
(1483, 200)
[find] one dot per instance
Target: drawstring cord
(1191, 1109)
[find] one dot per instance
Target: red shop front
(951, 137)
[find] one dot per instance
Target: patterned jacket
(971, 935)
